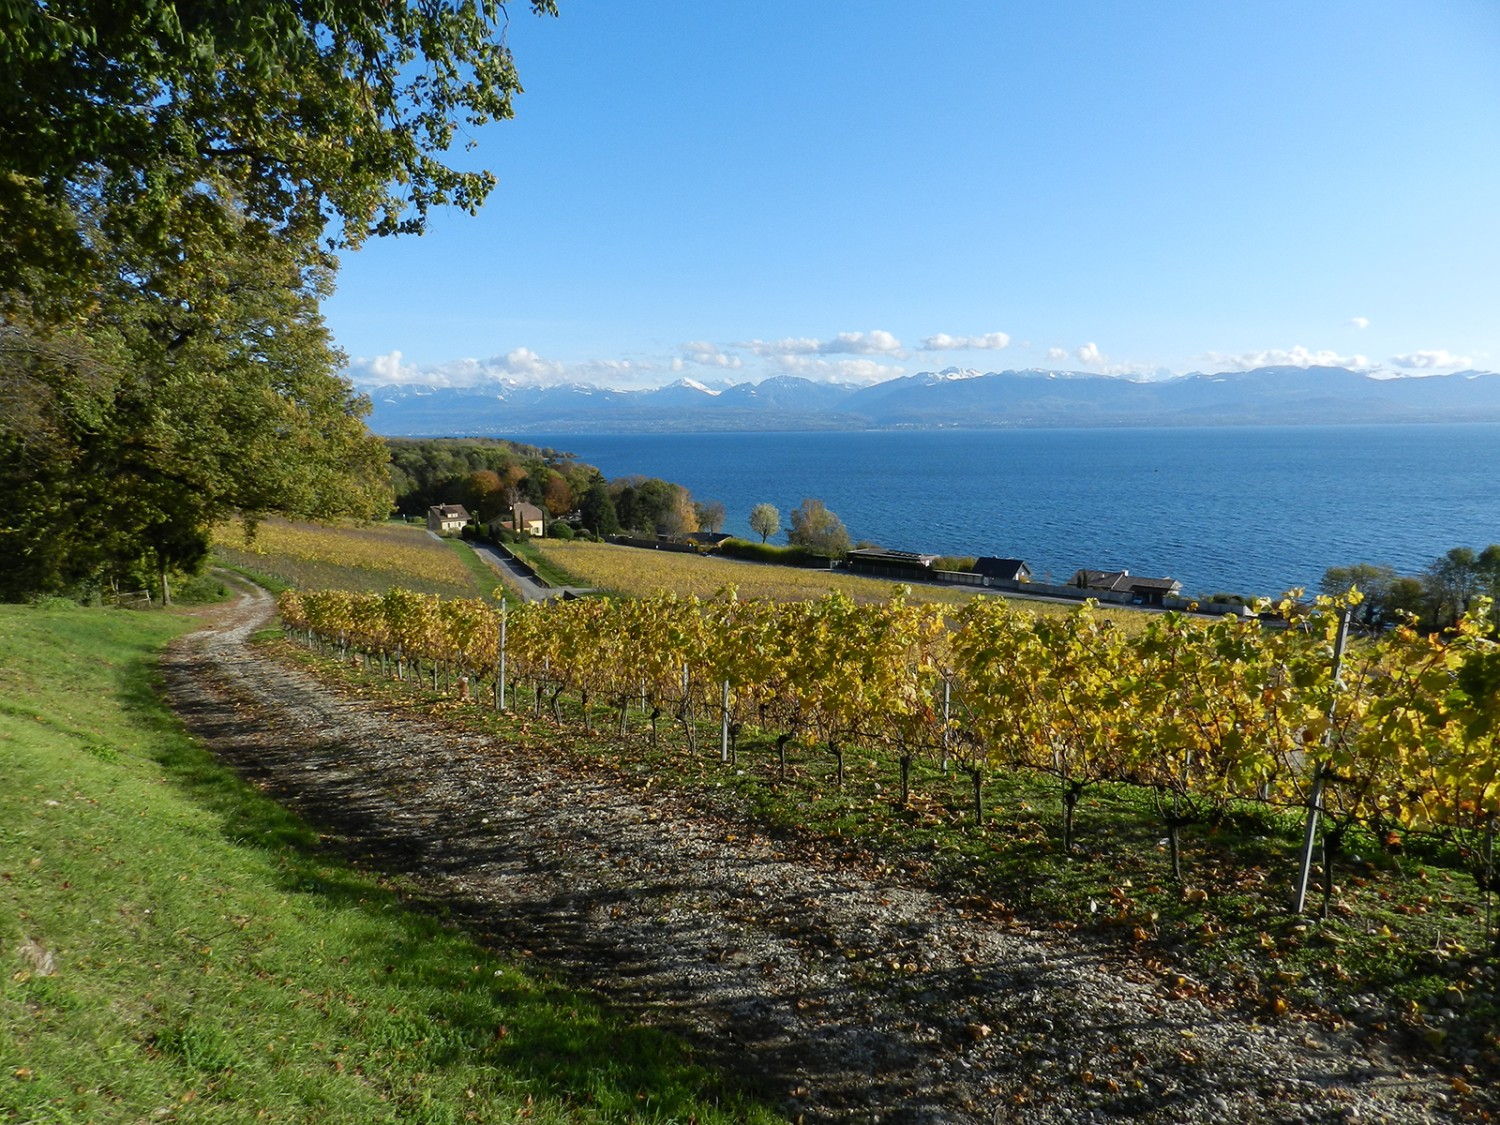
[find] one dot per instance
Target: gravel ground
(838, 988)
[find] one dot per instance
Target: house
(1142, 591)
(447, 519)
(706, 540)
(1002, 570)
(883, 563)
(526, 518)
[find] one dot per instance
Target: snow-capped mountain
(948, 398)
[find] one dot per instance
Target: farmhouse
(1143, 591)
(447, 519)
(526, 518)
(1002, 570)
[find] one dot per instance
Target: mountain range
(938, 399)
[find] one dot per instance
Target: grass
(368, 559)
(176, 947)
(1404, 940)
(550, 567)
(484, 577)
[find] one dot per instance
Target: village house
(447, 519)
(1002, 570)
(525, 518)
(1142, 591)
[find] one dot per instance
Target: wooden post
(500, 682)
(947, 715)
(724, 723)
(1315, 798)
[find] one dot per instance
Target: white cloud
(381, 370)
(525, 362)
(1438, 357)
(519, 365)
(942, 342)
(836, 370)
(845, 343)
(1057, 355)
(705, 354)
(1360, 321)
(1090, 354)
(1297, 356)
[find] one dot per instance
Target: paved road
(521, 580)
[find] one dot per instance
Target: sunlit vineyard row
(367, 558)
(1200, 713)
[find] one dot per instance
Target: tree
(1373, 581)
(1452, 582)
(598, 510)
(652, 506)
(765, 521)
(557, 497)
(173, 179)
(196, 385)
(710, 515)
(340, 109)
(482, 494)
(818, 529)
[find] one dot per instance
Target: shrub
(766, 553)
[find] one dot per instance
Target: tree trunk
(976, 777)
(1071, 791)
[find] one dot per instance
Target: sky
(856, 191)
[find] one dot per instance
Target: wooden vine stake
(724, 724)
(1320, 774)
(500, 671)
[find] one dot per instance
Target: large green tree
(173, 180)
(341, 109)
(818, 529)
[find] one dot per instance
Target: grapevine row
(1199, 712)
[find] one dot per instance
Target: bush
(199, 589)
(53, 601)
(559, 530)
(766, 553)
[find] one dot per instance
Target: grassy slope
(211, 965)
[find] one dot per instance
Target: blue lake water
(1243, 509)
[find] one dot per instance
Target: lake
(1253, 510)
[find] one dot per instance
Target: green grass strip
(175, 947)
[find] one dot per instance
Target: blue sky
(858, 191)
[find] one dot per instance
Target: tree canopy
(818, 529)
(173, 180)
(765, 520)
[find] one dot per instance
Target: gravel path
(842, 991)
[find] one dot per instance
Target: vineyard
(1395, 740)
(640, 573)
(363, 558)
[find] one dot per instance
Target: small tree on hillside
(818, 529)
(711, 515)
(765, 521)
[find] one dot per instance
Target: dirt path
(842, 993)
